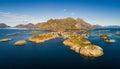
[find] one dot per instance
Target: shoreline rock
(109, 40)
(20, 42)
(13, 34)
(5, 40)
(35, 32)
(91, 51)
(117, 33)
(104, 36)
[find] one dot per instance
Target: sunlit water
(54, 55)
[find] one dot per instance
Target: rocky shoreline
(75, 41)
(52, 35)
(65, 35)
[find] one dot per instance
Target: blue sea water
(54, 54)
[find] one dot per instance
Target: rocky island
(20, 42)
(107, 39)
(41, 38)
(13, 34)
(117, 33)
(84, 47)
(52, 35)
(5, 40)
(75, 41)
(104, 36)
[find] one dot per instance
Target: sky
(102, 12)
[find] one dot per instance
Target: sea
(53, 54)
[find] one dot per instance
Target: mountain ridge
(63, 24)
(3, 25)
(28, 26)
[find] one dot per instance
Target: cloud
(10, 15)
(15, 17)
(68, 12)
(24, 21)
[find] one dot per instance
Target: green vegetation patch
(76, 41)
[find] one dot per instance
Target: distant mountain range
(63, 24)
(3, 25)
(111, 26)
(59, 25)
(27, 26)
(97, 26)
(114, 26)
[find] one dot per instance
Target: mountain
(112, 26)
(3, 25)
(27, 26)
(30, 25)
(20, 26)
(63, 24)
(97, 26)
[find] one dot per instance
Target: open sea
(53, 54)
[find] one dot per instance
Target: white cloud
(10, 15)
(12, 18)
(24, 21)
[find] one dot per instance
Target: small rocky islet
(117, 33)
(107, 39)
(20, 42)
(5, 40)
(13, 34)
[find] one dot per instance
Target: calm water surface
(54, 55)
